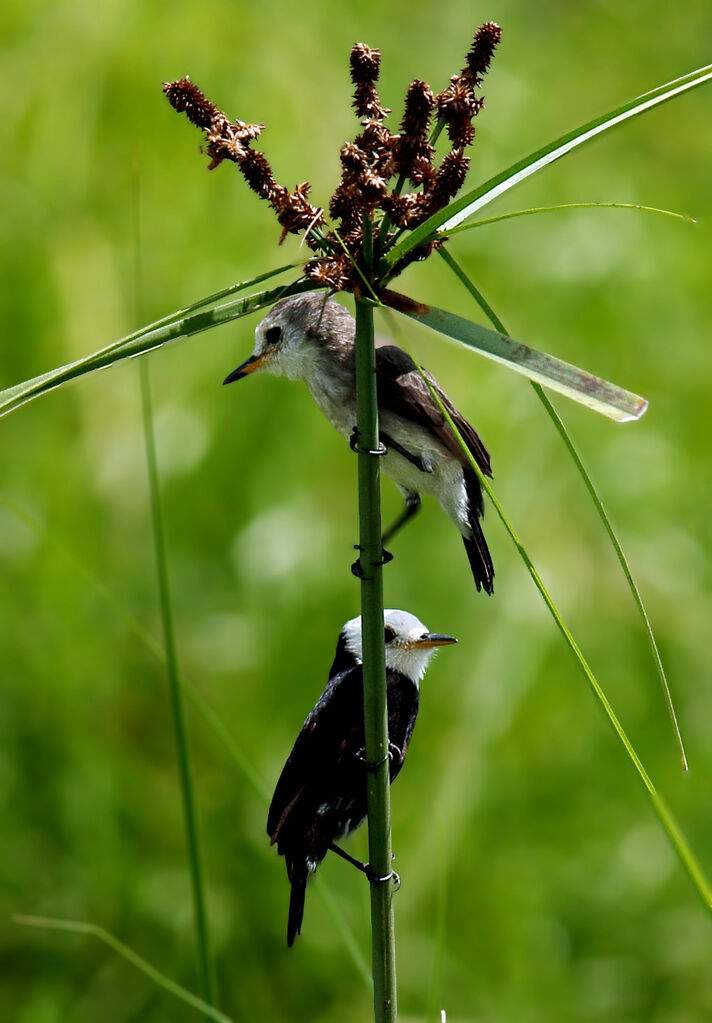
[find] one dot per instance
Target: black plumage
(321, 793)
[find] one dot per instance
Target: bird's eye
(390, 634)
(272, 335)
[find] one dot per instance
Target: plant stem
(374, 671)
(207, 970)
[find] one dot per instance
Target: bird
(320, 796)
(311, 338)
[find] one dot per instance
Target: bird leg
(365, 868)
(412, 503)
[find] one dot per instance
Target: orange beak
(249, 366)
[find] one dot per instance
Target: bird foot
(354, 445)
(373, 765)
(365, 868)
(356, 569)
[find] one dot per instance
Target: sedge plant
(399, 201)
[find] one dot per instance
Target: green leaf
(466, 205)
(665, 815)
(155, 335)
(595, 497)
(569, 206)
(575, 383)
(80, 927)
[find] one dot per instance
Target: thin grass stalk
(205, 959)
(93, 930)
(667, 819)
(374, 672)
(597, 501)
(206, 963)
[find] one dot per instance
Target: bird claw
(373, 765)
(356, 569)
(374, 878)
(354, 445)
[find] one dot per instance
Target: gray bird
(321, 793)
(311, 338)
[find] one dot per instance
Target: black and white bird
(321, 793)
(311, 338)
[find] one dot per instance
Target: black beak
(435, 639)
(249, 366)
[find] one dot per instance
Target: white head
(409, 645)
(296, 335)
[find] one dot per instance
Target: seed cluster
(366, 198)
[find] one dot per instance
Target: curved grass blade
(598, 504)
(210, 717)
(462, 208)
(568, 206)
(665, 815)
(80, 927)
(585, 388)
(149, 338)
(206, 962)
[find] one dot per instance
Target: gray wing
(402, 390)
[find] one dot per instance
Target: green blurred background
(537, 884)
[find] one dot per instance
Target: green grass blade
(206, 963)
(210, 717)
(575, 383)
(192, 832)
(462, 208)
(569, 206)
(598, 504)
(665, 815)
(149, 338)
(80, 927)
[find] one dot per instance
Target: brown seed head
(480, 54)
(187, 99)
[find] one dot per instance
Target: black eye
(272, 335)
(390, 634)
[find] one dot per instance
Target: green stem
(595, 497)
(80, 927)
(665, 815)
(207, 969)
(374, 671)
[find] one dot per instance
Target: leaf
(665, 816)
(568, 206)
(81, 927)
(155, 335)
(575, 383)
(474, 200)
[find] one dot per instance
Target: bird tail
(298, 873)
(476, 546)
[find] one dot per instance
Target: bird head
(409, 646)
(295, 335)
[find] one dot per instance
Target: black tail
(476, 545)
(298, 877)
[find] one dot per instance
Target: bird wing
(332, 731)
(402, 391)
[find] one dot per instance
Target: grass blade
(569, 206)
(80, 927)
(210, 717)
(462, 208)
(575, 383)
(598, 504)
(145, 340)
(665, 815)
(208, 980)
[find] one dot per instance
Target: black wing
(332, 731)
(402, 390)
